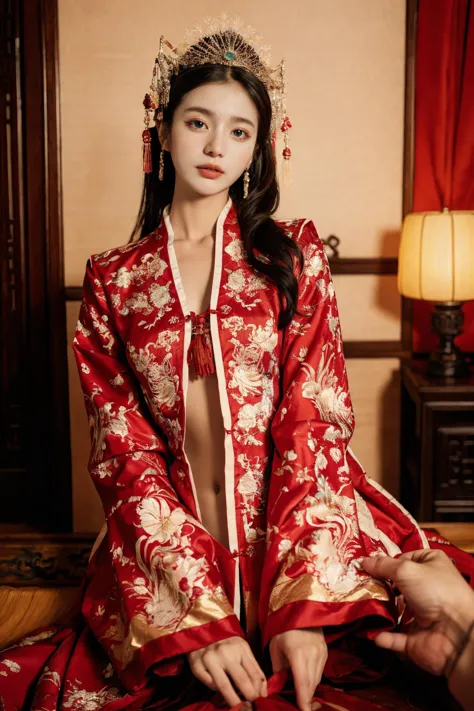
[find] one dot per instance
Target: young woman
(211, 360)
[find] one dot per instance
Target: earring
(246, 182)
(161, 170)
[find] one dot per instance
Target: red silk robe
(301, 510)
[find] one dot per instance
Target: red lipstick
(209, 170)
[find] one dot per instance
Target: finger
(396, 641)
(319, 669)
(255, 673)
(426, 555)
(202, 674)
(314, 673)
(301, 681)
(419, 556)
(381, 566)
(243, 681)
(222, 682)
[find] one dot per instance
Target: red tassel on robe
(200, 354)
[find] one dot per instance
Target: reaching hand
(232, 657)
(439, 598)
(304, 651)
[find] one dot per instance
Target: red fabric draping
(444, 130)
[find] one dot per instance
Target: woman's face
(215, 124)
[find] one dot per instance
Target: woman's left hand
(305, 652)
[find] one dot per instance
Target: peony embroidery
(162, 524)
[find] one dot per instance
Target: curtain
(444, 130)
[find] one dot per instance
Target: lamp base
(448, 361)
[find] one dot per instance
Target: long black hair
(269, 250)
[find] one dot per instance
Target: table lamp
(436, 263)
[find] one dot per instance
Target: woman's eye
(194, 121)
(243, 134)
(197, 124)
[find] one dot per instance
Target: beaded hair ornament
(223, 41)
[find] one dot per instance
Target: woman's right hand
(232, 658)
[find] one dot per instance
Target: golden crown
(222, 41)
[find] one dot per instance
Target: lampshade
(436, 260)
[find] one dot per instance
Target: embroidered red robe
(301, 510)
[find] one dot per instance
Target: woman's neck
(194, 219)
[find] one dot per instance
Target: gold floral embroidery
(13, 667)
(162, 578)
(79, 699)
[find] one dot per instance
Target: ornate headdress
(224, 41)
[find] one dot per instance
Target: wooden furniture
(24, 610)
(460, 535)
(40, 580)
(437, 445)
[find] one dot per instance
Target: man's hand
(305, 652)
(439, 598)
(232, 657)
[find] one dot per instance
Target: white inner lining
(220, 372)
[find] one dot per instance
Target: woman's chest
(153, 300)
(195, 272)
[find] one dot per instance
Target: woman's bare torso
(204, 436)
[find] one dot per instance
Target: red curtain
(444, 130)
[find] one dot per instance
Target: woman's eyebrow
(208, 112)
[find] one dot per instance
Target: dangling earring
(161, 170)
(246, 183)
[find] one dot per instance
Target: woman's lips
(209, 173)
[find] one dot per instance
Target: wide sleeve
(318, 525)
(168, 591)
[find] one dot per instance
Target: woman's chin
(208, 189)
(199, 188)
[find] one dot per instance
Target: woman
(213, 373)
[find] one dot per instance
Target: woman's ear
(163, 134)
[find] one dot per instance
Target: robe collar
(227, 216)
(200, 353)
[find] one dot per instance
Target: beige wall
(345, 69)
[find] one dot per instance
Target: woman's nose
(214, 152)
(215, 147)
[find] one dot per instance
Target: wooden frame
(41, 490)
(409, 149)
(45, 559)
(342, 266)
(356, 266)
(53, 493)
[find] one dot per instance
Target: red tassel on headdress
(285, 127)
(286, 124)
(149, 105)
(200, 353)
(146, 137)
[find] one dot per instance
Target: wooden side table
(437, 445)
(460, 535)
